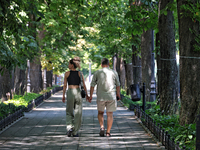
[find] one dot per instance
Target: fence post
(143, 105)
(198, 133)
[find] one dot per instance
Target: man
(107, 82)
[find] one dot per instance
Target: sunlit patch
(50, 109)
(52, 101)
(89, 108)
(57, 96)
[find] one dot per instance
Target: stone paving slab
(44, 129)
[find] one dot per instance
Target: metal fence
(157, 130)
(10, 118)
(18, 113)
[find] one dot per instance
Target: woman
(74, 99)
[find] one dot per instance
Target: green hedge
(20, 101)
(186, 135)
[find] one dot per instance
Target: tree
(188, 17)
(169, 72)
(16, 44)
(146, 56)
(143, 15)
(136, 54)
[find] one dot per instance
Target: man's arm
(118, 92)
(92, 85)
(91, 93)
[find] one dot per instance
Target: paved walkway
(44, 129)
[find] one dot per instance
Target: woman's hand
(90, 99)
(87, 98)
(63, 99)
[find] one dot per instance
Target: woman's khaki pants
(73, 110)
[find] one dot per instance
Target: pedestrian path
(44, 129)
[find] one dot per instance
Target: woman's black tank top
(73, 78)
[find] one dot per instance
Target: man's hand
(63, 99)
(118, 97)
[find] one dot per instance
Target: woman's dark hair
(76, 62)
(72, 62)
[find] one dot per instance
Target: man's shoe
(101, 133)
(76, 135)
(69, 133)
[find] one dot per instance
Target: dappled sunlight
(57, 95)
(56, 125)
(45, 128)
(89, 108)
(52, 101)
(50, 109)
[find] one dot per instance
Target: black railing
(18, 113)
(39, 100)
(157, 130)
(10, 118)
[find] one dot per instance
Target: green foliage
(192, 11)
(17, 45)
(5, 109)
(48, 89)
(20, 100)
(186, 135)
(126, 99)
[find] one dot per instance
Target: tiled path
(44, 129)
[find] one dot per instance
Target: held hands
(88, 99)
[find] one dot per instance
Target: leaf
(22, 46)
(190, 136)
(178, 137)
(128, 14)
(165, 12)
(32, 44)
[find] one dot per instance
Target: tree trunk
(19, 81)
(146, 55)
(36, 75)
(115, 62)
(118, 66)
(35, 65)
(54, 79)
(137, 68)
(169, 71)
(158, 65)
(6, 84)
(129, 77)
(1, 90)
(189, 64)
(122, 73)
(49, 77)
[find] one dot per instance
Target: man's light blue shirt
(106, 80)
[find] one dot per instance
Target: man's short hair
(105, 61)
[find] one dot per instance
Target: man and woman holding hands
(108, 88)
